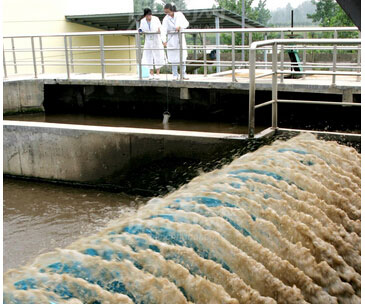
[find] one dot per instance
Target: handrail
(274, 101)
(259, 44)
(303, 44)
(194, 31)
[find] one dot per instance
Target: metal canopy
(199, 18)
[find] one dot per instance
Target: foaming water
(279, 225)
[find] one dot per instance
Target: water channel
(279, 225)
(39, 217)
(116, 121)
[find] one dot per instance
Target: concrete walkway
(312, 83)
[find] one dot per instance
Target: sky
(270, 4)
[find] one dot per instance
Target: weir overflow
(279, 225)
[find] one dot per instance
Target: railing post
(251, 109)
(265, 53)
(139, 64)
(34, 58)
(233, 58)
(102, 59)
(218, 42)
(66, 57)
(274, 111)
(282, 59)
(71, 54)
(129, 54)
(194, 52)
(181, 56)
(4, 64)
(41, 51)
(249, 38)
(243, 47)
(358, 78)
(305, 35)
(205, 53)
(334, 63)
(14, 56)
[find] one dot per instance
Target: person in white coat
(153, 52)
(173, 22)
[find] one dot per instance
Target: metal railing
(74, 53)
(275, 72)
(71, 53)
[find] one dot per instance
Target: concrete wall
(99, 155)
(23, 96)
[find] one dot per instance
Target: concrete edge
(335, 135)
(266, 133)
(124, 130)
(190, 84)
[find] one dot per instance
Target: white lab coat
(169, 24)
(152, 57)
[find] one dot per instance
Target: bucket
(166, 116)
(145, 72)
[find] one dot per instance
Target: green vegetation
(311, 13)
(139, 5)
(259, 13)
(329, 13)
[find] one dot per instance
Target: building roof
(198, 18)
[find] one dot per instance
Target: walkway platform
(309, 84)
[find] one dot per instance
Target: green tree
(236, 7)
(259, 13)
(180, 5)
(140, 5)
(159, 7)
(329, 13)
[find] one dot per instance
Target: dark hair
(147, 11)
(170, 7)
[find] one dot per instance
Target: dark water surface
(38, 217)
(115, 121)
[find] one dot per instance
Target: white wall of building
(48, 17)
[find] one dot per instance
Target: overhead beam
(232, 20)
(197, 18)
(224, 17)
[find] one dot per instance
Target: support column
(184, 93)
(347, 96)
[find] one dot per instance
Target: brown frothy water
(39, 217)
(279, 225)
